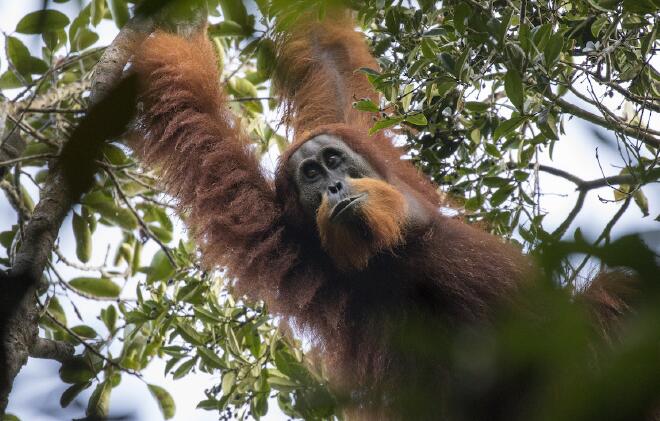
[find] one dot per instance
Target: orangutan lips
(345, 204)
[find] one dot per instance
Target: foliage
(477, 90)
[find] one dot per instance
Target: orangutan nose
(335, 187)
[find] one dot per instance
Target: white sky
(38, 382)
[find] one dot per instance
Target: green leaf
(70, 394)
(83, 236)
(20, 57)
(97, 11)
(98, 287)
(55, 309)
(84, 38)
(243, 87)
(226, 28)
(508, 126)
(385, 123)
(501, 195)
(109, 317)
(210, 358)
(642, 201)
(228, 381)
(641, 6)
(79, 22)
(418, 119)
(513, 85)
(9, 80)
(189, 333)
(429, 49)
(547, 123)
(462, 12)
(76, 370)
(184, 368)
(160, 268)
(477, 106)
(542, 35)
(84, 331)
(366, 105)
(105, 205)
(54, 39)
(165, 401)
(235, 10)
(119, 11)
(45, 20)
(598, 25)
(266, 58)
(259, 405)
(553, 50)
(99, 402)
(495, 181)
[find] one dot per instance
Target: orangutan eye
(311, 171)
(332, 160)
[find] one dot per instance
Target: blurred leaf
(508, 126)
(76, 370)
(514, 89)
(83, 236)
(45, 20)
(266, 57)
(366, 105)
(97, 11)
(98, 287)
(72, 392)
(165, 401)
(20, 57)
(99, 402)
(418, 119)
(84, 331)
(119, 11)
(109, 317)
(160, 268)
(385, 123)
(226, 28)
(641, 201)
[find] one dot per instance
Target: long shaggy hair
(317, 74)
(446, 274)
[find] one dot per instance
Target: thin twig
(143, 224)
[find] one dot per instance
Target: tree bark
(18, 309)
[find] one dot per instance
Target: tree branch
(18, 310)
(637, 133)
(51, 350)
(585, 185)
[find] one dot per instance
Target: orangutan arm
(206, 161)
(318, 76)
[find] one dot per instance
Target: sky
(37, 388)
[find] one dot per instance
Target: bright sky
(38, 382)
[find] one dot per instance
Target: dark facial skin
(323, 165)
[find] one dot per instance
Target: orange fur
(207, 161)
(318, 75)
(384, 213)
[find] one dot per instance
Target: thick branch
(51, 350)
(18, 315)
(110, 67)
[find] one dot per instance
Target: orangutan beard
(379, 225)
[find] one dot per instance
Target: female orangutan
(346, 243)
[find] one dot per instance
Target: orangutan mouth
(346, 204)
